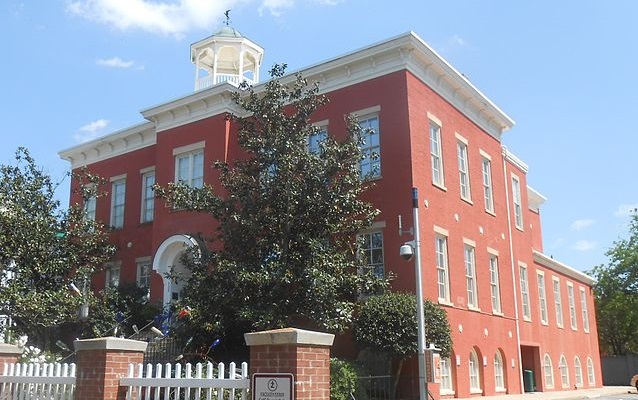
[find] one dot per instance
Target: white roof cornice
(564, 269)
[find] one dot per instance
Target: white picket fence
(172, 382)
(37, 381)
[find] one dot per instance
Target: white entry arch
(168, 257)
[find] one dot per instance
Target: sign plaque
(273, 387)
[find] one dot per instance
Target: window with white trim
(475, 373)
(590, 372)
(118, 199)
(445, 369)
(470, 276)
(571, 301)
(488, 194)
(370, 165)
(189, 168)
(495, 288)
(371, 252)
(144, 271)
(578, 372)
(564, 371)
(113, 275)
(583, 308)
(558, 301)
(443, 273)
(499, 375)
(90, 208)
(148, 197)
(542, 296)
(527, 315)
(464, 170)
(316, 139)
(517, 200)
(436, 155)
(548, 371)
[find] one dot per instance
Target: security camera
(406, 252)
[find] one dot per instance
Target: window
(495, 288)
(464, 174)
(525, 293)
(578, 372)
(113, 276)
(558, 302)
(516, 198)
(583, 308)
(488, 194)
(470, 276)
(371, 148)
(148, 196)
(436, 155)
(475, 375)
(90, 207)
(443, 277)
(564, 371)
(189, 168)
(144, 270)
(590, 372)
(315, 140)
(499, 376)
(571, 301)
(371, 251)
(548, 371)
(542, 296)
(118, 195)
(445, 367)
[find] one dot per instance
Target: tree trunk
(397, 376)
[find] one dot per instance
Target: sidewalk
(630, 391)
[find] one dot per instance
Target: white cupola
(226, 56)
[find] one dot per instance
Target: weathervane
(227, 22)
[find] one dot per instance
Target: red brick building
(513, 310)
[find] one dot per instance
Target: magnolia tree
(46, 256)
(284, 251)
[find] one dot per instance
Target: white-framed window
(583, 308)
(542, 296)
(488, 193)
(499, 375)
(578, 372)
(436, 155)
(371, 252)
(464, 170)
(148, 196)
(144, 271)
(189, 165)
(118, 199)
(495, 287)
(90, 208)
(558, 301)
(113, 275)
(517, 200)
(470, 275)
(443, 272)
(527, 315)
(571, 301)
(445, 368)
(370, 165)
(475, 373)
(564, 371)
(591, 378)
(548, 371)
(315, 140)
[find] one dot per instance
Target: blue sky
(565, 71)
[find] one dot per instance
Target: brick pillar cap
(110, 343)
(9, 349)
(289, 336)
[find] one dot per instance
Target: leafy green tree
(288, 219)
(43, 250)
(387, 325)
(616, 295)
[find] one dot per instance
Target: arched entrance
(168, 264)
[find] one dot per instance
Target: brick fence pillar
(100, 365)
(9, 354)
(304, 354)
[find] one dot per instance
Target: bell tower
(226, 56)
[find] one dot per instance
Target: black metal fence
(160, 350)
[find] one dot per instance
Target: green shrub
(343, 380)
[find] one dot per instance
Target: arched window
(548, 371)
(578, 372)
(564, 371)
(590, 372)
(499, 376)
(475, 374)
(445, 367)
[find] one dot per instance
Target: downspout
(513, 264)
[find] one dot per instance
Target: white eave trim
(535, 199)
(564, 269)
(517, 162)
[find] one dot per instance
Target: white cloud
(580, 224)
(115, 62)
(585, 245)
(91, 130)
(458, 40)
(275, 6)
(625, 210)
